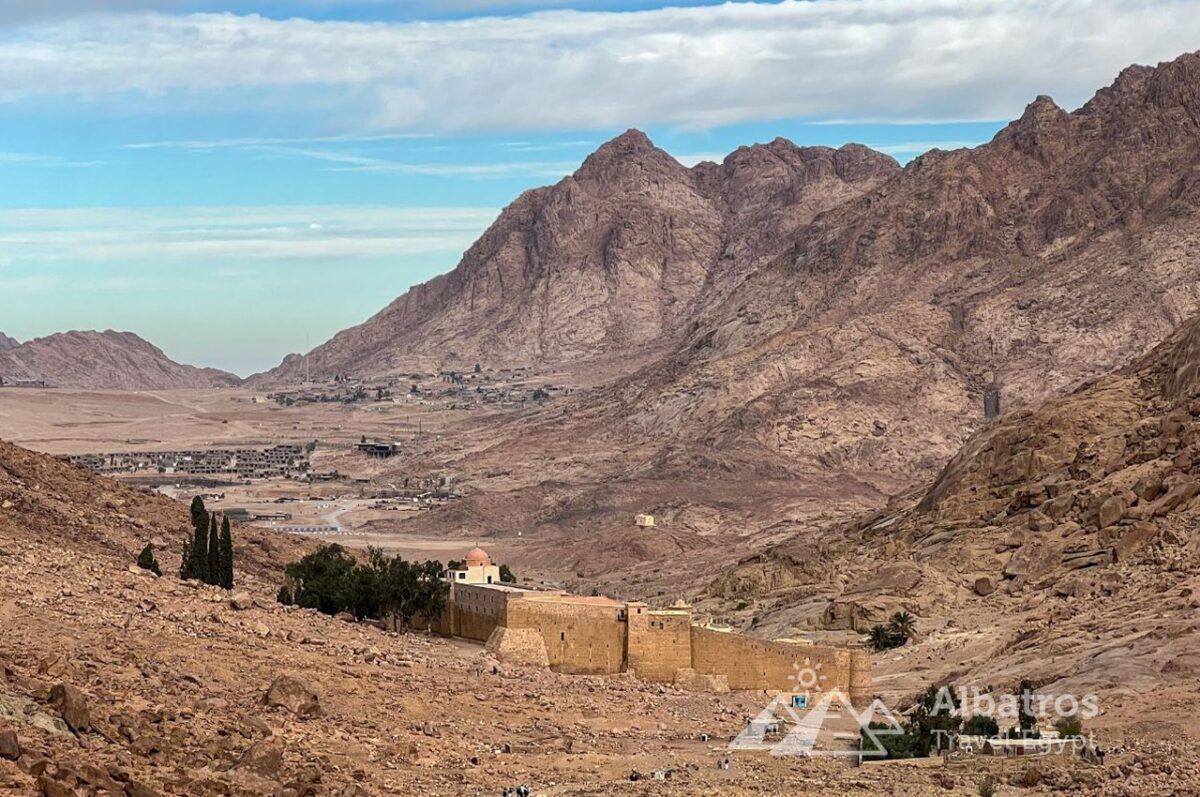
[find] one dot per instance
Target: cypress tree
(200, 550)
(226, 554)
(199, 512)
(214, 553)
(185, 564)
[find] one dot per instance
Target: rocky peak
(629, 162)
(8, 343)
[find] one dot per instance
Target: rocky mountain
(1060, 544)
(8, 343)
(104, 361)
(613, 260)
(850, 368)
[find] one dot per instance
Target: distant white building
(644, 521)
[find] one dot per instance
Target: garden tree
(456, 564)
(318, 581)
(198, 555)
(226, 558)
(1069, 727)
(896, 742)
(934, 719)
(1026, 720)
(362, 592)
(408, 590)
(506, 575)
(214, 553)
(981, 725)
(146, 561)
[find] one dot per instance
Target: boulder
(985, 585)
(72, 706)
(10, 748)
(241, 600)
(1039, 521)
(289, 693)
(262, 758)
(1110, 512)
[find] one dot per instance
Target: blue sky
(233, 179)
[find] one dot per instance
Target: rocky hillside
(113, 681)
(8, 343)
(615, 259)
(104, 361)
(1059, 543)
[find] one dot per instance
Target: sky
(236, 180)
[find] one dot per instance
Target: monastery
(596, 635)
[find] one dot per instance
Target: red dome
(477, 557)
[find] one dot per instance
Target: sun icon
(808, 676)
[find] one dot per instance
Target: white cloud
(698, 67)
(112, 236)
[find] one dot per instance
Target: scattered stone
(291, 694)
(241, 600)
(72, 706)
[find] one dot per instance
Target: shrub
(506, 575)
(981, 725)
(987, 787)
(146, 561)
(1069, 727)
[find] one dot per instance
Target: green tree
(1069, 727)
(1026, 720)
(199, 549)
(226, 557)
(213, 571)
(146, 561)
(896, 742)
(981, 725)
(934, 719)
(903, 625)
(506, 575)
(881, 638)
(319, 579)
(284, 595)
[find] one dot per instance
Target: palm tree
(903, 625)
(880, 638)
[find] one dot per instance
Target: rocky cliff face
(1060, 250)
(104, 361)
(1074, 521)
(8, 343)
(616, 258)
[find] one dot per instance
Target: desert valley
(938, 420)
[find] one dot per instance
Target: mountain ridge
(107, 360)
(611, 259)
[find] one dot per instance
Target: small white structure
(644, 521)
(478, 570)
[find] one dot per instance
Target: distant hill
(8, 343)
(104, 361)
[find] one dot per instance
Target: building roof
(477, 557)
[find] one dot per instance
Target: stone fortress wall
(591, 635)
